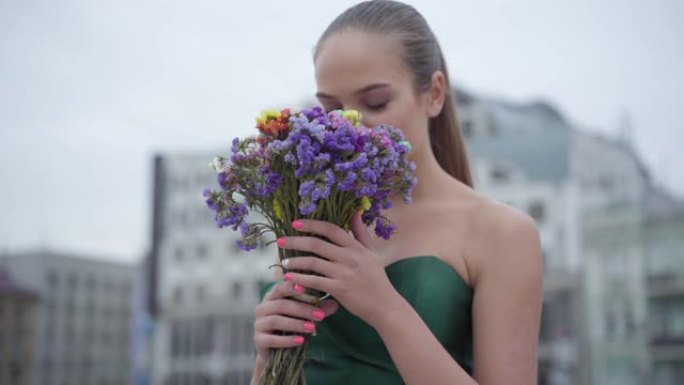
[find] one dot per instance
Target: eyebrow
(359, 91)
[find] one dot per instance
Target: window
(52, 279)
(177, 295)
(499, 174)
(237, 290)
(467, 128)
(90, 309)
(209, 335)
(537, 211)
(126, 289)
(247, 333)
(182, 218)
(202, 251)
(175, 339)
(606, 182)
(178, 254)
(72, 281)
(234, 248)
(235, 334)
(260, 284)
(90, 283)
(201, 293)
(615, 265)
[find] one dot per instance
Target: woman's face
(361, 71)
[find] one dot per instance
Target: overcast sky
(89, 90)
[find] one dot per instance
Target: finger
(360, 231)
(313, 264)
(273, 341)
(280, 290)
(291, 308)
(329, 307)
(282, 323)
(312, 245)
(316, 282)
(332, 232)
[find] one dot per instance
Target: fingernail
(318, 314)
(281, 242)
(287, 277)
(298, 288)
(285, 262)
(299, 340)
(297, 224)
(309, 326)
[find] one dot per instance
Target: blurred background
(112, 272)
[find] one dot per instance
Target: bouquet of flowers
(315, 165)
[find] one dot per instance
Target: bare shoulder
(504, 239)
(504, 258)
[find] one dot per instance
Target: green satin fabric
(346, 350)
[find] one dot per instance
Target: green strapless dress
(347, 350)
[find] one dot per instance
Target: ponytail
(446, 137)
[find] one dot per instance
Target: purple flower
(233, 216)
(211, 200)
(221, 179)
(306, 208)
(306, 188)
(348, 182)
(250, 236)
(270, 184)
(383, 228)
(324, 156)
(368, 175)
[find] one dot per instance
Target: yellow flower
(365, 203)
(267, 114)
(353, 116)
(277, 210)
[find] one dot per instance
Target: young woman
(455, 296)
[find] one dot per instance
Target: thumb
(329, 306)
(360, 230)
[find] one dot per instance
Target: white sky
(90, 89)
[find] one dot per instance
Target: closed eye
(377, 107)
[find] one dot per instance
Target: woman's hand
(352, 271)
(279, 313)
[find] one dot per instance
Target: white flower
(217, 164)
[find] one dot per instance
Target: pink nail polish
(309, 326)
(297, 224)
(287, 276)
(298, 288)
(281, 242)
(299, 340)
(318, 314)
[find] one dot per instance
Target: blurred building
(17, 311)
(590, 197)
(83, 321)
(204, 288)
(664, 244)
(142, 333)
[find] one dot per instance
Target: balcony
(667, 284)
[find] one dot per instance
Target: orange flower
(274, 123)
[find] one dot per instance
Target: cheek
(410, 119)
(404, 114)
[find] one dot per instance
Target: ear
(436, 94)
